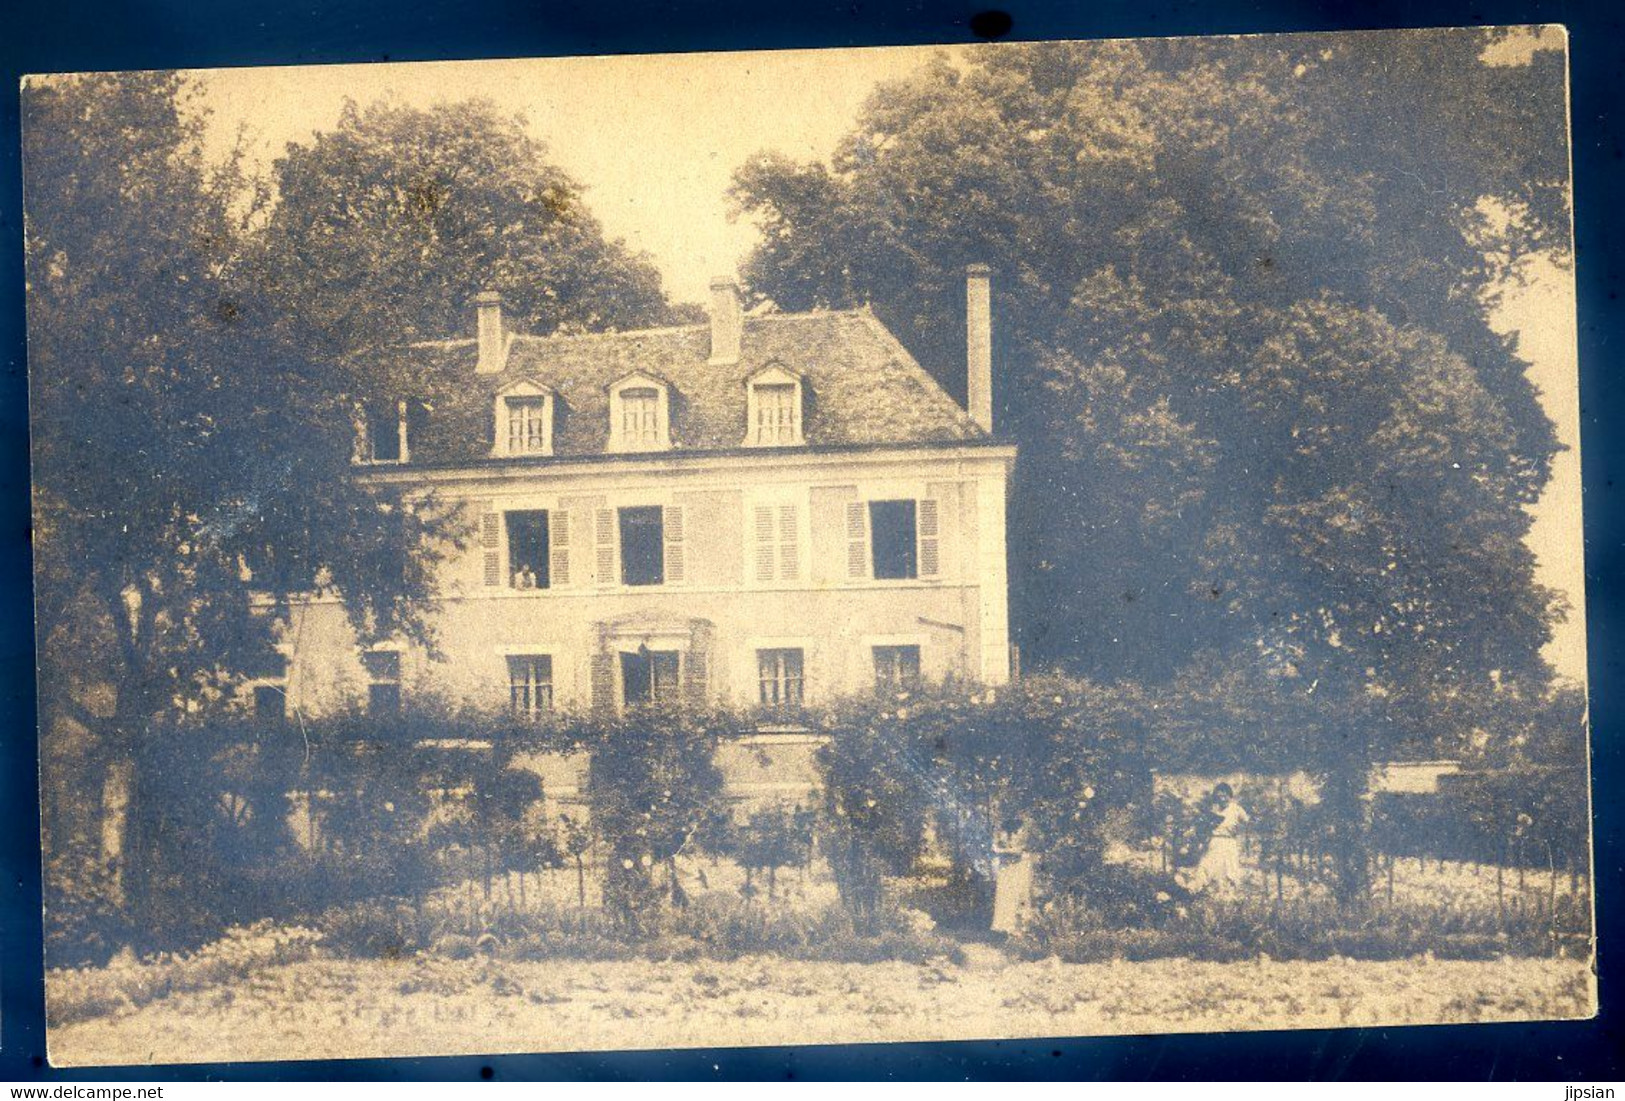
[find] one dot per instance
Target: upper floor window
(894, 540)
(773, 409)
(530, 686)
(529, 547)
(524, 420)
(643, 545)
(776, 541)
(894, 531)
(640, 415)
(381, 432)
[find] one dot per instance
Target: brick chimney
(492, 333)
(727, 322)
(979, 345)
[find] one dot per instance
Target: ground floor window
(649, 676)
(779, 676)
(270, 688)
(383, 682)
(896, 667)
(270, 702)
(530, 686)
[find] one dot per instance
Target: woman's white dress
(1221, 866)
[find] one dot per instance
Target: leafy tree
(1058, 760)
(389, 224)
(163, 413)
(193, 418)
(1244, 338)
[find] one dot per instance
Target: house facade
(763, 510)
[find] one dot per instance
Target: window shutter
(857, 539)
(930, 539)
(671, 518)
(604, 539)
(490, 541)
(696, 675)
(603, 683)
(764, 543)
(789, 543)
(558, 541)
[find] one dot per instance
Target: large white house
(774, 509)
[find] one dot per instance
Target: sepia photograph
(805, 547)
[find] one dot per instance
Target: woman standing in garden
(1220, 866)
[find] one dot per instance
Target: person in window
(525, 578)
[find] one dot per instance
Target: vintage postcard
(811, 547)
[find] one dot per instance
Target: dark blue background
(66, 35)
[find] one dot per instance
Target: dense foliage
(1244, 300)
(192, 425)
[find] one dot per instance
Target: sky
(655, 141)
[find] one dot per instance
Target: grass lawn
(331, 1008)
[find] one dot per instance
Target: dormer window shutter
(930, 556)
(676, 558)
(604, 545)
(491, 546)
(857, 539)
(765, 548)
(404, 413)
(789, 543)
(558, 539)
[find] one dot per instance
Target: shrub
(129, 982)
(653, 788)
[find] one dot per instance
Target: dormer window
(773, 409)
(524, 420)
(381, 432)
(525, 432)
(640, 417)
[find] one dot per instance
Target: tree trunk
(1349, 812)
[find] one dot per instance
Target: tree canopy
(389, 224)
(191, 408)
(1243, 331)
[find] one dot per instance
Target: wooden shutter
(603, 682)
(604, 543)
(764, 556)
(671, 523)
(359, 415)
(928, 531)
(697, 668)
(491, 546)
(789, 543)
(403, 416)
(857, 539)
(558, 542)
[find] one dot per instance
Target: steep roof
(862, 388)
